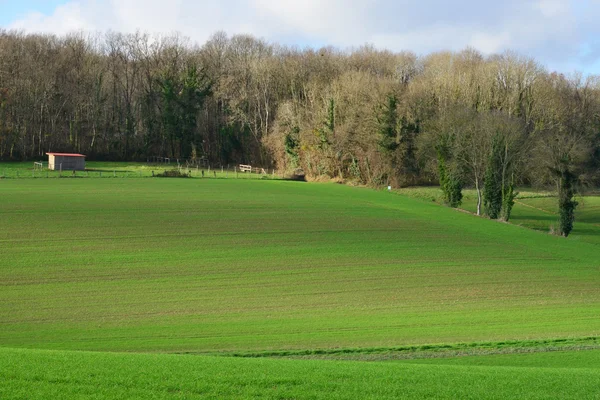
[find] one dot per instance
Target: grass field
(222, 266)
(539, 213)
(536, 210)
(181, 265)
(102, 169)
(41, 374)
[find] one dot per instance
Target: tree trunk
(478, 196)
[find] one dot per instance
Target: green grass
(41, 374)
(223, 265)
(537, 210)
(554, 359)
(268, 268)
(429, 351)
(542, 213)
(103, 169)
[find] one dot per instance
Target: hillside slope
(234, 265)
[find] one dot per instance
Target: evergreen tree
(169, 111)
(508, 199)
(388, 143)
(450, 181)
(328, 130)
(388, 126)
(190, 99)
(566, 192)
(292, 144)
(330, 122)
(181, 100)
(493, 190)
(408, 165)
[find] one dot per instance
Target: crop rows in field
(217, 265)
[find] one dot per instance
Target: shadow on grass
(119, 171)
(541, 218)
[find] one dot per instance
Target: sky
(563, 35)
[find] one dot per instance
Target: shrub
(174, 173)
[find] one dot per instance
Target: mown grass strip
(437, 350)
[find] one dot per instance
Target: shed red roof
(65, 154)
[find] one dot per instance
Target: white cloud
(553, 8)
(444, 37)
(198, 20)
(66, 18)
(489, 43)
(341, 22)
(550, 30)
(152, 13)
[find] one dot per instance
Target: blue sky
(562, 35)
(11, 10)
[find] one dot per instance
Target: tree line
(370, 116)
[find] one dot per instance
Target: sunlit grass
(246, 265)
(39, 374)
(533, 209)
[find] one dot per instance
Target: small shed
(66, 162)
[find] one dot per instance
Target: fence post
(114, 173)
(236, 172)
